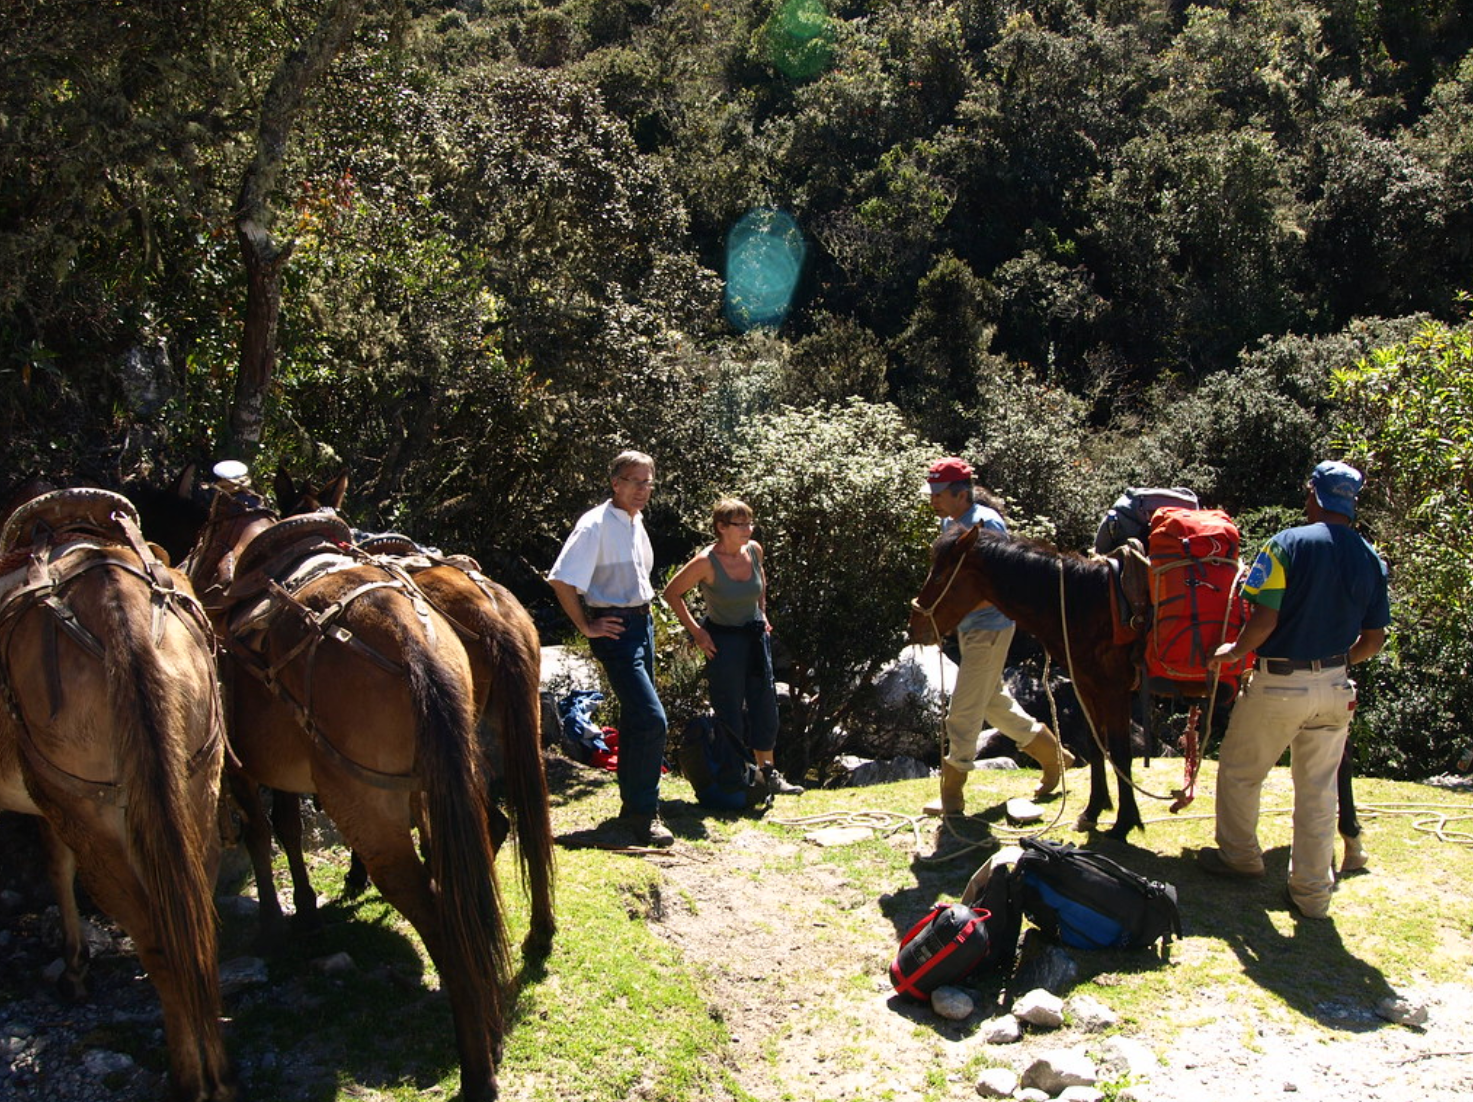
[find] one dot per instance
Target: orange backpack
(1195, 597)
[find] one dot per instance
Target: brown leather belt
(1296, 665)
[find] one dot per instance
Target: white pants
(980, 698)
(1308, 714)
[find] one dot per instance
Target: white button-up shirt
(608, 558)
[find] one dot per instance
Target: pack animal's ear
(969, 537)
(285, 490)
(184, 485)
(334, 492)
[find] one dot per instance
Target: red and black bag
(1195, 597)
(943, 948)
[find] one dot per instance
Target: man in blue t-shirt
(980, 697)
(1319, 605)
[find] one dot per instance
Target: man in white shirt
(602, 581)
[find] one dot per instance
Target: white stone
(1040, 1007)
(338, 964)
(1002, 1031)
(952, 1004)
(1127, 1056)
(997, 1082)
(839, 836)
(242, 972)
(1081, 1094)
(1089, 1014)
(567, 668)
(1057, 1069)
(921, 673)
(998, 764)
(100, 1062)
(1402, 1011)
(1030, 1094)
(240, 906)
(1023, 810)
(859, 772)
(1133, 1093)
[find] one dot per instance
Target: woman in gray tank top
(734, 634)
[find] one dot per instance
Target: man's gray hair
(630, 459)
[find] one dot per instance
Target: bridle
(929, 611)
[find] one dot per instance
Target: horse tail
(460, 857)
(516, 659)
(157, 723)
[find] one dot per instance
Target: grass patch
(617, 1013)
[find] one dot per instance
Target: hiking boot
(1052, 758)
(778, 785)
(1212, 862)
(646, 830)
(1357, 856)
(951, 800)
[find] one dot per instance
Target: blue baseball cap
(1335, 485)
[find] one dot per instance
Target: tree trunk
(263, 258)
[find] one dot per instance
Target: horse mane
(1033, 563)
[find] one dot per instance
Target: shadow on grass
(376, 1024)
(1309, 968)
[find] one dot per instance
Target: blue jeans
(629, 664)
(741, 674)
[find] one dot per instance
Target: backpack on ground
(719, 767)
(945, 947)
(1196, 604)
(996, 889)
(1130, 517)
(1087, 901)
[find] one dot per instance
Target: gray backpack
(1130, 517)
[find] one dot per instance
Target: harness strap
(320, 627)
(404, 567)
(107, 793)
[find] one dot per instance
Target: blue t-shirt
(988, 618)
(1327, 583)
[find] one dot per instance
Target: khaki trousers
(980, 699)
(1307, 713)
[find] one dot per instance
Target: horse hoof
(352, 889)
(538, 945)
(307, 922)
(1086, 824)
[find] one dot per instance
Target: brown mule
(343, 682)
(1062, 600)
(505, 655)
(111, 731)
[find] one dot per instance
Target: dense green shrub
(837, 494)
(1407, 418)
(1415, 700)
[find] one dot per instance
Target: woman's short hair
(729, 509)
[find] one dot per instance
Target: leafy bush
(1029, 448)
(1415, 699)
(1408, 420)
(836, 491)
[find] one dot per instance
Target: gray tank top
(733, 604)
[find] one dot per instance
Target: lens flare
(800, 38)
(764, 260)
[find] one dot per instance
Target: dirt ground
(779, 954)
(795, 964)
